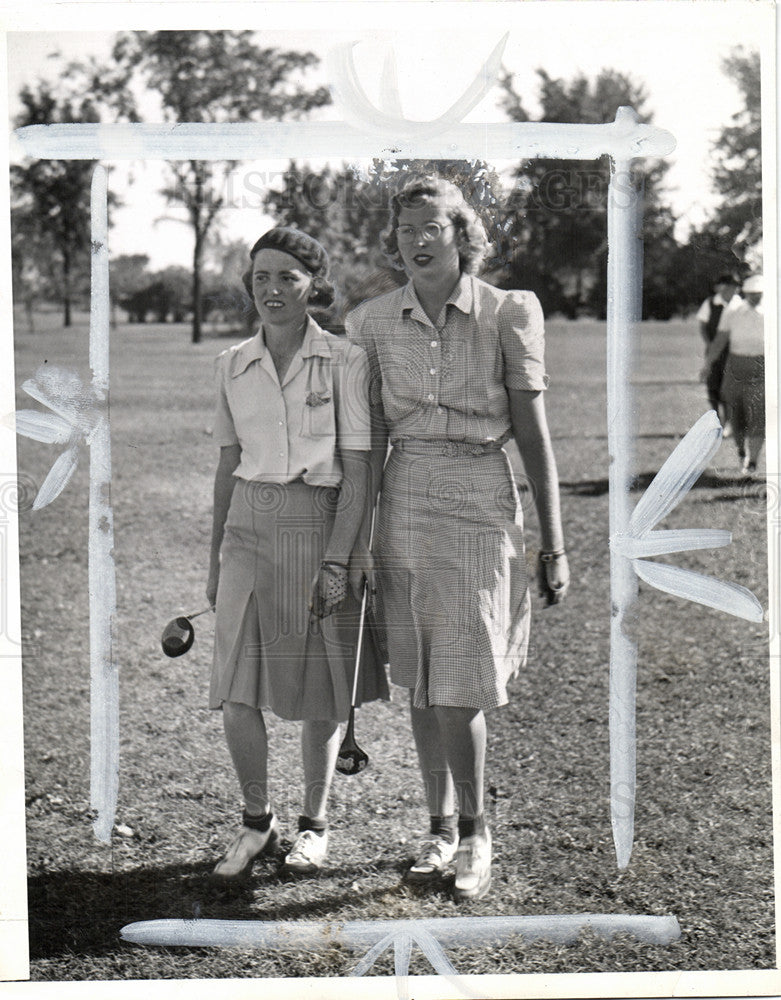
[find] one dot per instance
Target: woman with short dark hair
(289, 495)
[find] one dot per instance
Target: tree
(737, 174)
(556, 216)
(51, 198)
(214, 76)
(127, 275)
(342, 209)
(346, 211)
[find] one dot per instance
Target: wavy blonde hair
(472, 239)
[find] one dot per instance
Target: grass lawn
(703, 836)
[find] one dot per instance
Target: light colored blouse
(449, 379)
(746, 327)
(295, 429)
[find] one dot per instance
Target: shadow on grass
(83, 912)
(748, 488)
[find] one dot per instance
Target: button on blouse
(296, 429)
(450, 379)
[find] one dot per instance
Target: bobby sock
(318, 826)
(261, 823)
(443, 826)
(468, 826)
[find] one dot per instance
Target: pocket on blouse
(318, 418)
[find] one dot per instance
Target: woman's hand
(361, 568)
(553, 577)
(329, 589)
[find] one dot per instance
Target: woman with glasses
(456, 370)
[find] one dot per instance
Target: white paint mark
(283, 140)
(360, 935)
(730, 598)
(678, 474)
(387, 120)
(659, 543)
(104, 705)
(668, 488)
(75, 412)
(621, 140)
(58, 478)
(624, 281)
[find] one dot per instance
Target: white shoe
(238, 859)
(473, 866)
(727, 430)
(434, 856)
(308, 852)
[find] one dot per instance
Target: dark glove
(330, 589)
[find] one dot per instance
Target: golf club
(351, 759)
(179, 635)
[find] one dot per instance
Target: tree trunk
(66, 288)
(195, 216)
(197, 313)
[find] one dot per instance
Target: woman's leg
(754, 448)
(738, 414)
(245, 731)
(319, 750)
(463, 738)
(433, 759)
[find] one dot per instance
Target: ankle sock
(444, 826)
(260, 823)
(470, 826)
(315, 825)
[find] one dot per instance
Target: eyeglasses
(430, 232)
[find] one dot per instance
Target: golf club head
(351, 760)
(178, 636)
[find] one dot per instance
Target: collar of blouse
(461, 297)
(254, 349)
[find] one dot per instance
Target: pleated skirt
(453, 601)
(269, 652)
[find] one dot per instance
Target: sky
(673, 47)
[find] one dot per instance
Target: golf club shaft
(197, 613)
(363, 615)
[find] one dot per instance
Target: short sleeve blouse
(449, 380)
(296, 429)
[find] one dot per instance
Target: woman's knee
(237, 713)
(449, 716)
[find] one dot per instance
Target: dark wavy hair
(322, 294)
(472, 239)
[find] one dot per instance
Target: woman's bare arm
(530, 430)
(224, 482)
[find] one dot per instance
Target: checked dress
(453, 606)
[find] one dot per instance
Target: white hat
(756, 283)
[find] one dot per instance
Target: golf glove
(330, 589)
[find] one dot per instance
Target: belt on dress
(453, 449)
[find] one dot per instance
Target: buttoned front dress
(453, 598)
(269, 652)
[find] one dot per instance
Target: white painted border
(321, 16)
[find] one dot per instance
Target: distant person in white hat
(724, 291)
(741, 330)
